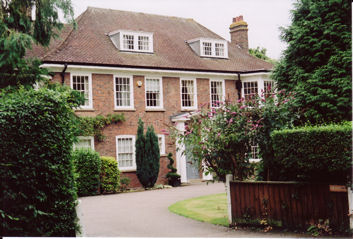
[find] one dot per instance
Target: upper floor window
(188, 94)
(123, 92)
(125, 152)
(217, 92)
(154, 92)
(83, 84)
(209, 47)
(134, 41)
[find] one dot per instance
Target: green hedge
(38, 195)
(110, 175)
(315, 154)
(87, 169)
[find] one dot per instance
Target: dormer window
(132, 41)
(208, 47)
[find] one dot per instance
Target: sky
(264, 17)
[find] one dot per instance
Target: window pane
(153, 92)
(187, 93)
(128, 42)
(250, 89)
(216, 93)
(219, 48)
(143, 43)
(81, 84)
(123, 91)
(268, 85)
(125, 152)
(207, 48)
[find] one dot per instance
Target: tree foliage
(147, 156)
(222, 137)
(18, 32)
(317, 63)
(261, 54)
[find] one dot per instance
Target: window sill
(122, 109)
(128, 170)
(155, 110)
(84, 110)
(188, 110)
(163, 155)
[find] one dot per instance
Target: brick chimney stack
(239, 33)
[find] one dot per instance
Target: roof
(90, 44)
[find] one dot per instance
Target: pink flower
(219, 134)
(233, 113)
(230, 121)
(165, 132)
(242, 107)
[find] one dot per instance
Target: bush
(124, 183)
(147, 156)
(110, 175)
(38, 195)
(314, 154)
(87, 168)
(172, 176)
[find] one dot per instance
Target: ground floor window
(125, 151)
(84, 142)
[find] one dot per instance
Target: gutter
(238, 86)
(62, 74)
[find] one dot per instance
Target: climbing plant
(89, 126)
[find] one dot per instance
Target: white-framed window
(219, 49)
(161, 143)
(188, 94)
(84, 142)
(213, 48)
(207, 48)
(123, 92)
(82, 82)
(134, 41)
(268, 88)
(154, 92)
(125, 152)
(254, 154)
(217, 92)
(250, 88)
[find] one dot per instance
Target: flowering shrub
(220, 138)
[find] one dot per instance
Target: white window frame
(131, 107)
(223, 91)
(135, 35)
(133, 167)
(213, 47)
(251, 159)
(260, 85)
(162, 149)
(195, 94)
(160, 93)
(90, 97)
(91, 138)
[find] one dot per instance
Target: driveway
(145, 214)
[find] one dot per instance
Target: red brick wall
(103, 103)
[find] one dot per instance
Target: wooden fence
(290, 204)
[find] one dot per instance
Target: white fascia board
(114, 70)
(129, 31)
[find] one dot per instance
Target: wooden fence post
(229, 177)
(350, 206)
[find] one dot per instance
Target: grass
(210, 208)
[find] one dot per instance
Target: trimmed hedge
(87, 169)
(314, 154)
(38, 195)
(110, 175)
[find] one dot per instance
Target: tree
(147, 156)
(222, 137)
(261, 54)
(18, 32)
(317, 63)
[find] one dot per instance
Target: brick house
(155, 67)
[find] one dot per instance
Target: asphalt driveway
(145, 214)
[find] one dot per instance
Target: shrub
(172, 176)
(147, 156)
(315, 154)
(87, 169)
(124, 183)
(38, 195)
(110, 175)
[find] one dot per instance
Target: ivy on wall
(93, 126)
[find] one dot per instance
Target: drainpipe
(63, 74)
(238, 86)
